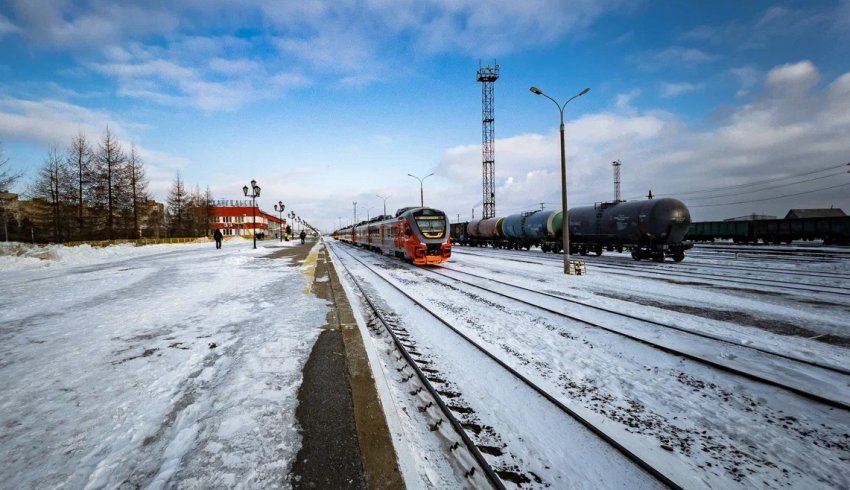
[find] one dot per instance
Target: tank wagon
(419, 235)
(650, 229)
(653, 228)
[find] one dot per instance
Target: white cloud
(793, 77)
(55, 123)
(7, 27)
(669, 90)
(673, 56)
(779, 134)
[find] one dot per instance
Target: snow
(152, 365)
(702, 427)
(179, 365)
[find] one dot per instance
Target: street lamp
(291, 220)
(280, 216)
(421, 195)
(255, 193)
(566, 221)
(385, 202)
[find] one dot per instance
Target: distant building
(236, 218)
(815, 213)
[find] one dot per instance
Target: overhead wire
(760, 182)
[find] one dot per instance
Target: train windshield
(431, 226)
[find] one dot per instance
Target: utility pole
(616, 164)
(355, 213)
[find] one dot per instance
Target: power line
(750, 184)
(773, 187)
(769, 198)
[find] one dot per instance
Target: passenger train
(419, 235)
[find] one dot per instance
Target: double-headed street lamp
(255, 193)
(421, 195)
(279, 207)
(565, 226)
(291, 221)
(385, 202)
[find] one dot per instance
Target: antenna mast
(488, 76)
(616, 164)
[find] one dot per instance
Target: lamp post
(291, 220)
(280, 216)
(385, 202)
(255, 193)
(421, 195)
(565, 227)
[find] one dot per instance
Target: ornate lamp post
(565, 232)
(255, 193)
(421, 195)
(279, 207)
(291, 221)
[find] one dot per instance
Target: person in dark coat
(303, 235)
(218, 237)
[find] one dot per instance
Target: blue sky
(327, 103)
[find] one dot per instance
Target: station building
(240, 218)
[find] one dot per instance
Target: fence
(139, 242)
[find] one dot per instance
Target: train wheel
(598, 250)
(658, 256)
(544, 247)
(635, 255)
(679, 256)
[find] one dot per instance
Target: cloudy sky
(733, 107)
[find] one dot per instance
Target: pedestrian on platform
(218, 237)
(303, 235)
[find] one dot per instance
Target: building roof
(222, 211)
(815, 213)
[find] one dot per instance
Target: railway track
(820, 382)
(634, 269)
(612, 446)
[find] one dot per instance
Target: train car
(530, 229)
(419, 235)
(832, 230)
(652, 228)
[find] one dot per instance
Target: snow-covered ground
(700, 426)
(178, 365)
(149, 366)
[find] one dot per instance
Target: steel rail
(491, 475)
(595, 430)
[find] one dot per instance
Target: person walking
(218, 237)
(303, 235)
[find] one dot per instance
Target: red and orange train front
(419, 235)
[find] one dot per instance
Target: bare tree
(110, 164)
(7, 180)
(7, 177)
(178, 207)
(138, 184)
(79, 159)
(51, 189)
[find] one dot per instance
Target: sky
(732, 107)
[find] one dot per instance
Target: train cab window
(433, 226)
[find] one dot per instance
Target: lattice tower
(488, 76)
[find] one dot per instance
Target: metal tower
(616, 164)
(488, 76)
